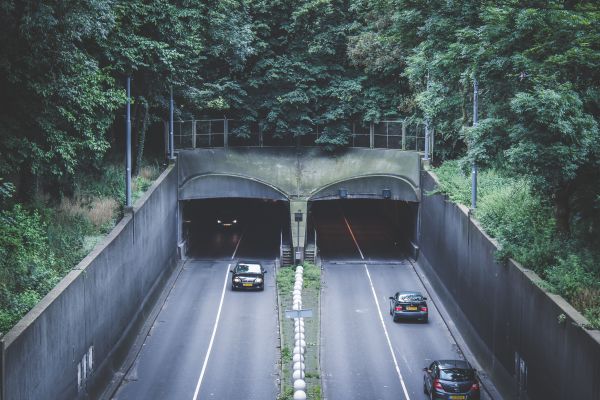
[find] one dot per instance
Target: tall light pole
(128, 147)
(427, 139)
(171, 140)
(474, 165)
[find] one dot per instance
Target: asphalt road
(364, 354)
(207, 341)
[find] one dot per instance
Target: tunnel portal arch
(210, 186)
(374, 186)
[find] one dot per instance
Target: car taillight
(437, 384)
(424, 309)
(475, 386)
(399, 308)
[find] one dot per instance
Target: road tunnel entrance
(382, 229)
(223, 227)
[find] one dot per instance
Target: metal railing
(207, 133)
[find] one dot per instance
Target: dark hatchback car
(248, 275)
(409, 305)
(451, 379)
(226, 220)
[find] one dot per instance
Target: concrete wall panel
(531, 342)
(93, 313)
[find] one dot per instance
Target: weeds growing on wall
(523, 224)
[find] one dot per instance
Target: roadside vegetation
(523, 223)
(42, 241)
(311, 292)
(296, 68)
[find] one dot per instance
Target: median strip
(298, 294)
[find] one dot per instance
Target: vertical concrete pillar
(403, 135)
(225, 132)
(298, 227)
(371, 135)
(166, 138)
(193, 133)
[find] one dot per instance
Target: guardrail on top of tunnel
(208, 133)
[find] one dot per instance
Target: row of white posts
(299, 339)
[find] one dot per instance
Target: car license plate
(413, 308)
(457, 397)
(247, 284)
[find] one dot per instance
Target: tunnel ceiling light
(386, 193)
(343, 193)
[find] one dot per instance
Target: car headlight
(235, 221)
(218, 221)
(258, 280)
(237, 280)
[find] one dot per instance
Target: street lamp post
(474, 165)
(171, 140)
(128, 147)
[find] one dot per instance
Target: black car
(226, 220)
(248, 275)
(409, 305)
(451, 379)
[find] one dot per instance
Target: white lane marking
(387, 336)
(214, 332)
(353, 238)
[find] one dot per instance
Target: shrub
(524, 225)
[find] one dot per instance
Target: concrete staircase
(287, 255)
(310, 253)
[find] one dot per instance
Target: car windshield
(249, 268)
(410, 297)
(456, 374)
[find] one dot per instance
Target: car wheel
(233, 288)
(426, 319)
(262, 287)
(395, 319)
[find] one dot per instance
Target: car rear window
(456, 374)
(410, 297)
(249, 268)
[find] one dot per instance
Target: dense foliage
(295, 67)
(522, 222)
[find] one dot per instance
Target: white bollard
(298, 350)
(298, 358)
(295, 306)
(299, 384)
(300, 343)
(299, 336)
(298, 374)
(299, 395)
(299, 365)
(297, 292)
(298, 328)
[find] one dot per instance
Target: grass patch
(310, 299)
(42, 241)
(524, 225)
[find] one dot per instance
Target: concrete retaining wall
(531, 342)
(70, 344)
